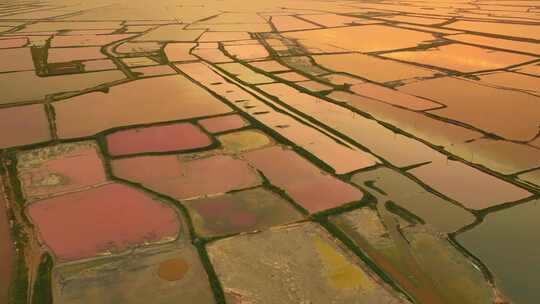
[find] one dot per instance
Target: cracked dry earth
(250, 152)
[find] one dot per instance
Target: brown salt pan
(223, 36)
(211, 55)
(138, 47)
(30, 122)
(14, 86)
(377, 138)
(510, 80)
(291, 76)
(99, 65)
(332, 20)
(134, 62)
(467, 185)
(371, 38)
(482, 106)
(434, 131)
(291, 23)
(362, 65)
(70, 25)
(135, 103)
(533, 69)
(532, 177)
(341, 158)
(74, 53)
(170, 32)
(269, 66)
(462, 58)
(151, 71)
(247, 52)
(507, 29)
(393, 97)
(86, 40)
(245, 74)
(179, 51)
(313, 86)
(519, 46)
(500, 156)
(415, 20)
(306, 184)
(16, 60)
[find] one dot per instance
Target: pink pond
(223, 123)
(177, 137)
(307, 185)
(111, 218)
